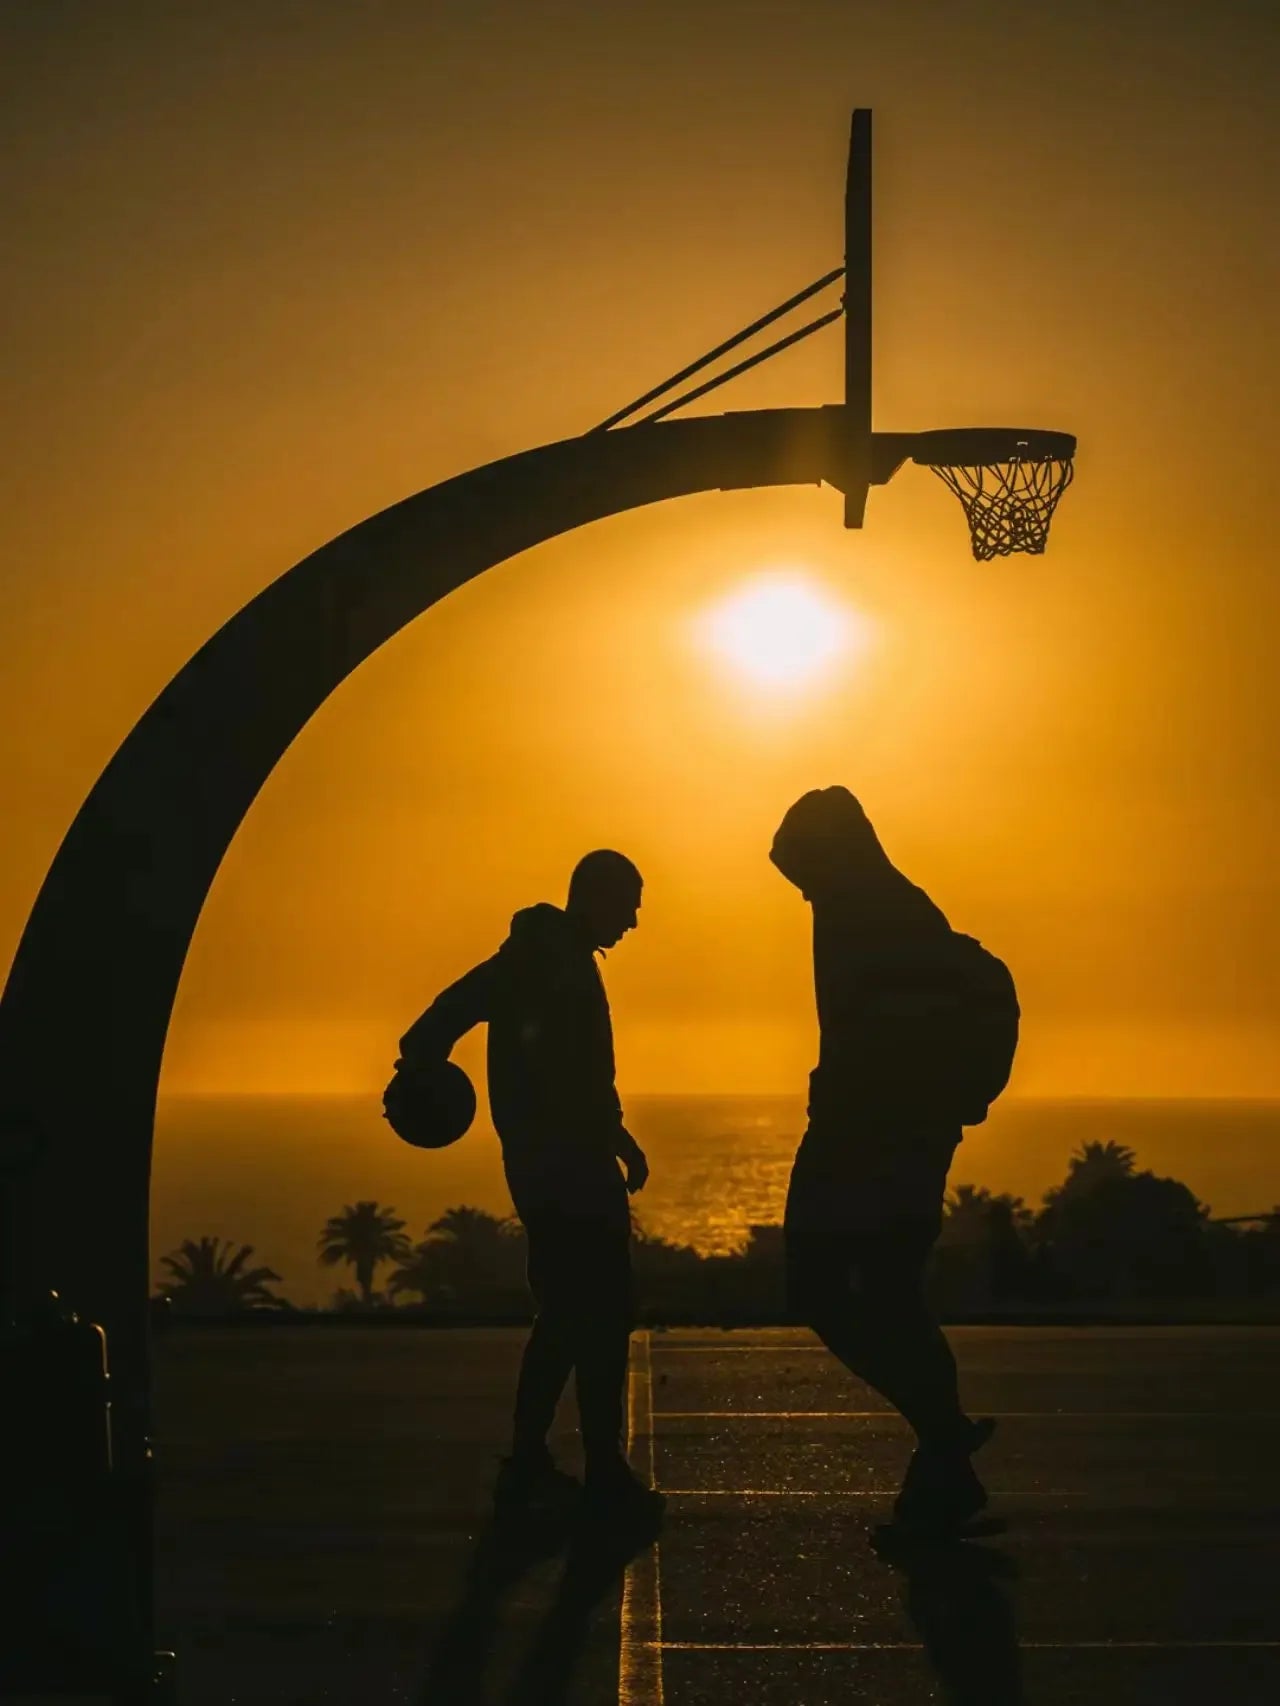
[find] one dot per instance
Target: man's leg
(906, 1351)
(580, 1271)
(580, 1276)
(545, 1367)
(544, 1373)
(941, 1489)
(603, 1320)
(883, 1333)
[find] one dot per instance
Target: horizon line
(1094, 1099)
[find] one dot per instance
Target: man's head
(825, 840)
(604, 895)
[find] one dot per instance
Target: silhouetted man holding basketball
(556, 1110)
(917, 1028)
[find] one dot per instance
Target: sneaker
(941, 1490)
(981, 1429)
(534, 1485)
(620, 1499)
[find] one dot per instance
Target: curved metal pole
(87, 1005)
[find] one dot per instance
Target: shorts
(851, 1181)
(579, 1266)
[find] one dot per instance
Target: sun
(780, 631)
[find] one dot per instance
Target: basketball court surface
(1136, 1470)
(324, 1499)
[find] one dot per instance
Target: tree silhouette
(1262, 1254)
(982, 1254)
(467, 1254)
(677, 1283)
(1092, 1165)
(211, 1277)
(1110, 1231)
(1244, 1254)
(968, 1209)
(364, 1236)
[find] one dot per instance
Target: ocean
(269, 1170)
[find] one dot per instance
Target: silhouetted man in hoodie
(556, 1111)
(865, 1201)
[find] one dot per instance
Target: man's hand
(632, 1157)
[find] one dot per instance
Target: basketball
(429, 1105)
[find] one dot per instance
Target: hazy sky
(274, 265)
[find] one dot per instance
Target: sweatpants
(855, 1274)
(579, 1272)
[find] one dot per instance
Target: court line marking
(710, 1350)
(998, 1415)
(649, 1415)
(918, 1647)
(738, 1350)
(640, 1643)
(852, 1493)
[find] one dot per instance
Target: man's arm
(451, 1015)
(632, 1158)
(625, 1147)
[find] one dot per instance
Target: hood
(545, 930)
(539, 923)
(826, 846)
(825, 841)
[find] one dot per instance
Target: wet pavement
(324, 1537)
(1136, 1468)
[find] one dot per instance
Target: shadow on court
(325, 1533)
(460, 1661)
(959, 1598)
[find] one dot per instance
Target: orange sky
(280, 265)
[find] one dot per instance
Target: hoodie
(551, 1068)
(875, 936)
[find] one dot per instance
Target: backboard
(1008, 479)
(857, 316)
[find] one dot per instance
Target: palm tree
(1115, 1160)
(420, 1271)
(1095, 1164)
(960, 1277)
(364, 1235)
(467, 1255)
(967, 1212)
(211, 1278)
(473, 1230)
(1109, 1231)
(983, 1254)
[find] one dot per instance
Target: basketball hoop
(1008, 480)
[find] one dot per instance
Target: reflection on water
(269, 1170)
(720, 1165)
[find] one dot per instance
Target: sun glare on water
(780, 631)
